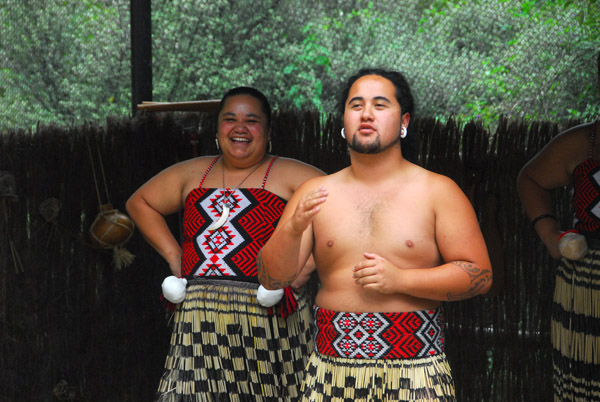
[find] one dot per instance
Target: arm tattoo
(480, 278)
(265, 279)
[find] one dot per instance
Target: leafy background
(68, 62)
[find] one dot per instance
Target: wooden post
(141, 52)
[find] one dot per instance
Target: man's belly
(339, 292)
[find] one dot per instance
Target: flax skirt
(226, 347)
(337, 379)
(575, 330)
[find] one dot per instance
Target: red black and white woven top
(228, 252)
(586, 193)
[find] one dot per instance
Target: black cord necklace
(226, 205)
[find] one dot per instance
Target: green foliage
(68, 61)
(308, 68)
(63, 61)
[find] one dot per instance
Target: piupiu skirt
(227, 347)
(378, 357)
(575, 330)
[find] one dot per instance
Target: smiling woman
(244, 127)
(226, 345)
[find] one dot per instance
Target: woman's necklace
(226, 206)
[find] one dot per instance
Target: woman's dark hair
(403, 96)
(253, 92)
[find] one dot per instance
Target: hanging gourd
(111, 229)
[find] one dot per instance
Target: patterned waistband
(222, 282)
(379, 335)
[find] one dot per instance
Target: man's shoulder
(438, 182)
(429, 176)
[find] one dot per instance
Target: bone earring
(343, 134)
(403, 132)
(217, 142)
(270, 146)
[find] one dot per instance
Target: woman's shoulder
(561, 155)
(187, 171)
(294, 166)
(587, 126)
(293, 162)
(287, 175)
(196, 162)
(578, 135)
(571, 145)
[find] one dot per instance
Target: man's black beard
(372, 148)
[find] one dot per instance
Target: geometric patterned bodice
(586, 195)
(228, 252)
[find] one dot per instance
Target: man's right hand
(307, 208)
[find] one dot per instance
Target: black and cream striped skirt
(575, 330)
(227, 347)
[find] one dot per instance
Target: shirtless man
(391, 242)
